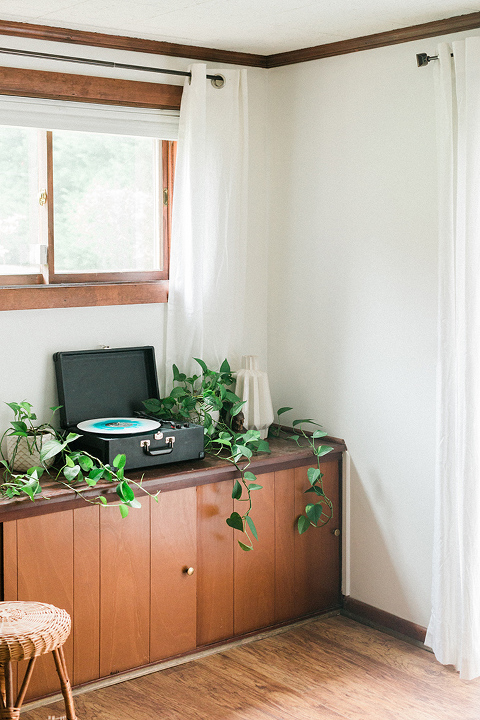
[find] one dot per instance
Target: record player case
(113, 383)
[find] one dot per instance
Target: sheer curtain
(208, 256)
(454, 628)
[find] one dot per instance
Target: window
(85, 202)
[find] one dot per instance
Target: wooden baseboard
(381, 619)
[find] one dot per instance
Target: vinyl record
(118, 426)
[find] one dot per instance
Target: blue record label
(118, 426)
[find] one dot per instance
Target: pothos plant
(320, 511)
(208, 398)
(74, 469)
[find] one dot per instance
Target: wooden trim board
(458, 23)
(382, 620)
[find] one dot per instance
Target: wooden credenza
(125, 581)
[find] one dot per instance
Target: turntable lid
(104, 383)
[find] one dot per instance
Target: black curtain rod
(423, 59)
(218, 81)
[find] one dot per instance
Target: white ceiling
(258, 26)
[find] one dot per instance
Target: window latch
(165, 196)
(42, 198)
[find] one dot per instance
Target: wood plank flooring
(329, 669)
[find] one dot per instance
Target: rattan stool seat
(27, 630)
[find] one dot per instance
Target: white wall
(30, 337)
(352, 299)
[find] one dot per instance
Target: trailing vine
(74, 467)
(317, 513)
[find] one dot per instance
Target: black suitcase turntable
(101, 393)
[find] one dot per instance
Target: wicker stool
(27, 630)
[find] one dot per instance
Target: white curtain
(454, 628)
(205, 314)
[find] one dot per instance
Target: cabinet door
(124, 589)
(41, 549)
(307, 567)
(317, 551)
(173, 589)
(215, 563)
(254, 583)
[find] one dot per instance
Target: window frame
(90, 290)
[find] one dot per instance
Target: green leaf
(202, 364)
(225, 367)
(85, 462)
(95, 474)
(69, 461)
(125, 492)
(314, 512)
(252, 527)
(302, 524)
(322, 450)
(254, 486)
(239, 451)
(119, 461)
(71, 473)
(231, 397)
(313, 475)
(153, 405)
(249, 475)
(237, 490)
(50, 449)
(123, 510)
(237, 407)
(283, 410)
(134, 503)
(102, 499)
(235, 521)
(263, 446)
(318, 434)
(178, 392)
(71, 437)
(306, 420)
(245, 547)
(315, 489)
(177, 375)
(20, 427)
(295, 438)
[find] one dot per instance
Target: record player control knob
(189, 571)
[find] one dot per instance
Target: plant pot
(24, 453)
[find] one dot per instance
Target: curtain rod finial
(422, 59)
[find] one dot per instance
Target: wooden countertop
(174, 476)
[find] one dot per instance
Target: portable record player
(101, 394)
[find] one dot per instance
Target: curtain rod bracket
(423, 59)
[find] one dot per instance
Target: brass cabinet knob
(336, 532)
(189, 571)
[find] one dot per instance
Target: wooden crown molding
(370, 42)
(455, 24)
(122, 42)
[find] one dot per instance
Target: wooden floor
(328, 669)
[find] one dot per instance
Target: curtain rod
(423, 59)
(218, 81)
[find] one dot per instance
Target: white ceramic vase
(252, 386)
(26, 454)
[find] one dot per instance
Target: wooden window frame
(21, 292)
